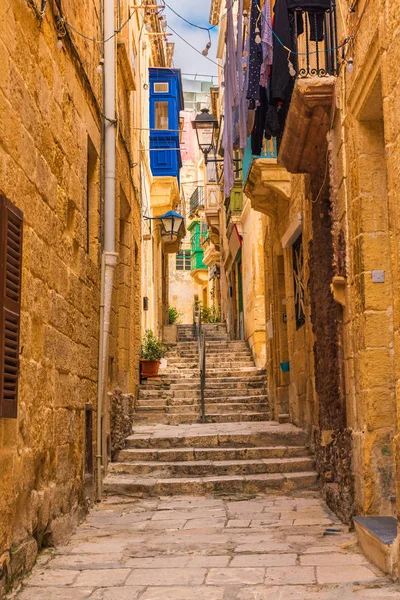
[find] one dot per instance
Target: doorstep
(376, 536)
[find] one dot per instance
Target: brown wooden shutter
(11, 223)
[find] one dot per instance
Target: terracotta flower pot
(149, 367)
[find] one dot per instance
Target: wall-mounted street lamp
(171, 224)
(206, 127)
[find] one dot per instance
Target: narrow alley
(223, 510)
(199, 300)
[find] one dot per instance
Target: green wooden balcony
(196, 248)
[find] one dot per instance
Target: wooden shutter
(11, 222)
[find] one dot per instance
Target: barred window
(183, 260)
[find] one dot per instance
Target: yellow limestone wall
(365, 145)
(291, 392)
(50, 103)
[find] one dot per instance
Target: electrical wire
(193, 48)
(94, 40)
(189, 22)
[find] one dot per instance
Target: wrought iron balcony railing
(196, 200)
(314, 43)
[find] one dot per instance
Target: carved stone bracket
(267, 185)
(307, 124)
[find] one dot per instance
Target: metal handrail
(201, 349)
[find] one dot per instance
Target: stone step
(204, 468)
(225, 357)
(214, 358)
(210, 392)
(377, 538)
(214, 407)
(220, 383)
(200, 436)
(217, 396)
(156, 416)
(214, 383)
(130, 485)
(207, 454)
(233, 401)
(223, 344)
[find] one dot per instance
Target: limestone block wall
(365, 159)
(50, 123)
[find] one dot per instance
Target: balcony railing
(234, 204)
(196, 200)
(314, 43)
(269, 150)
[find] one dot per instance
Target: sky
(186, 59)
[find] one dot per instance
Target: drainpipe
(109, 257)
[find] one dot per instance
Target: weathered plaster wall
(50, 105)
(182, 289)
(253, 283)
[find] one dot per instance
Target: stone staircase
(235, 387)
(237, 451)
(227, 458)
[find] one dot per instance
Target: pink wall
(188, 144)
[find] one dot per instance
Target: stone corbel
(307, 124)
(338, 289)
(268, 185)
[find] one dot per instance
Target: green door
(240, 294)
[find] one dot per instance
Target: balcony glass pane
(161, 115)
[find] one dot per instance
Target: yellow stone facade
(337, 188)
(50, 154)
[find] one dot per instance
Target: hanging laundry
(231, 91)
(257, 134)
(280, 76)
(241, 100)
(256, 54)
(266, 43)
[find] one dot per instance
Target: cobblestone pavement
(204, 548)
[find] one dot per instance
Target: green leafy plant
(152, 347)
(210, 315)
(173, 315)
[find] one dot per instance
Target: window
(161, 88)
(161, 115)
(298, 275)
(183, 260)
(11, 224)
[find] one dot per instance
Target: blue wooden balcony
(166, 102)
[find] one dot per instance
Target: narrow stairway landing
(228, 458)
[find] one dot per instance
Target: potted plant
(153, 350)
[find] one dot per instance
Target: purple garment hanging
(231, 91)
(241, 100)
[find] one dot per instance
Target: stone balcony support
(307, 124)
(164, 195)
(267, 185)
(212, 219)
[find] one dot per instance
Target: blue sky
(196, 11)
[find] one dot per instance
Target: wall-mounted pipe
(109, 258)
